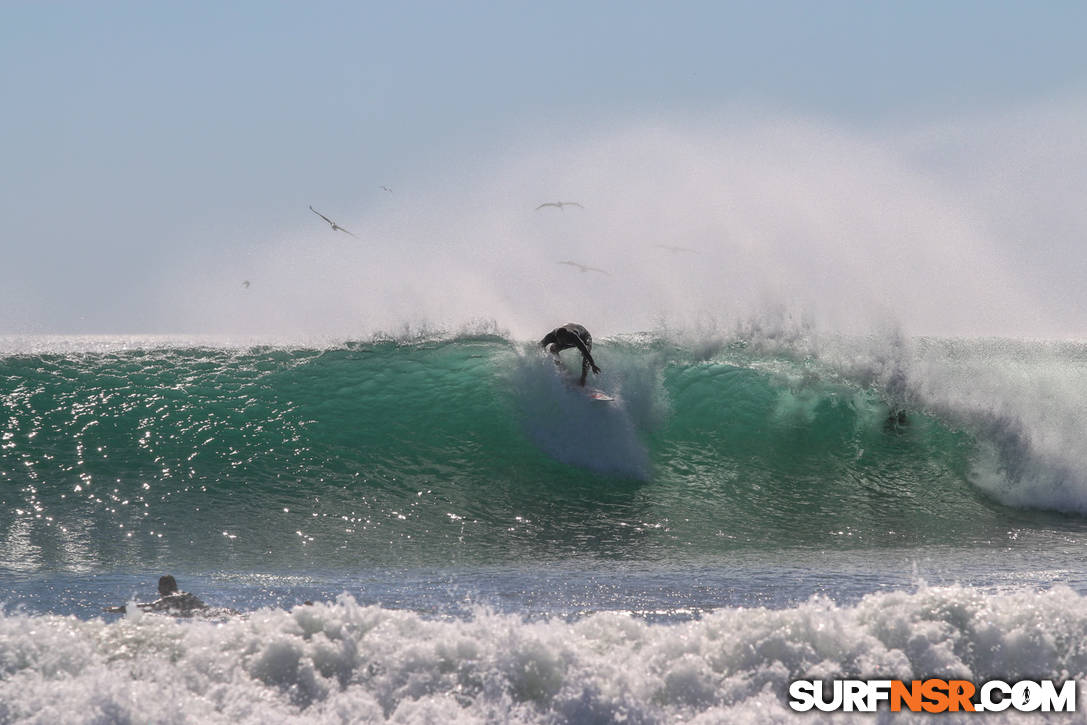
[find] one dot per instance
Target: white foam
(1023, 401)
(342, 662)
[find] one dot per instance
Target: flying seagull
(245, 284)
(675, 249)
(559, 204)
(386, 188)
(335, 227)
(583, 267)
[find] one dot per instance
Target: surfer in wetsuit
(572, 335)
(171, 600)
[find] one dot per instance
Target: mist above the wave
(691, 223)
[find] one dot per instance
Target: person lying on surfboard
(171, 600)
(572, 335)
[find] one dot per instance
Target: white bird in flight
(583, 267)
(335, 227)
(559, 204)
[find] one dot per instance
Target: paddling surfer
(171, 600)
(572, 335)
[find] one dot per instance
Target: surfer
(572, 335)
(170, 600)
(896, 421)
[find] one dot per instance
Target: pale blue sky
(133, 130)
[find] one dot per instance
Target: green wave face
(472, 450)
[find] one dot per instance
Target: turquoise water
(474, 451)
(464, 484)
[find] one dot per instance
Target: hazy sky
(156, 155)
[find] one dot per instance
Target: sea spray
(558, 415)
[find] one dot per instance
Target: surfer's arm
(549, 339)
(586, 354)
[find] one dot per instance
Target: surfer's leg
(588, 340)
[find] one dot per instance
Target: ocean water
(442, 529)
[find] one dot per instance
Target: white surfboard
(598, 395)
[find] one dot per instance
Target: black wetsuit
(572, 335)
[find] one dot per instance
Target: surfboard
(598, 395)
